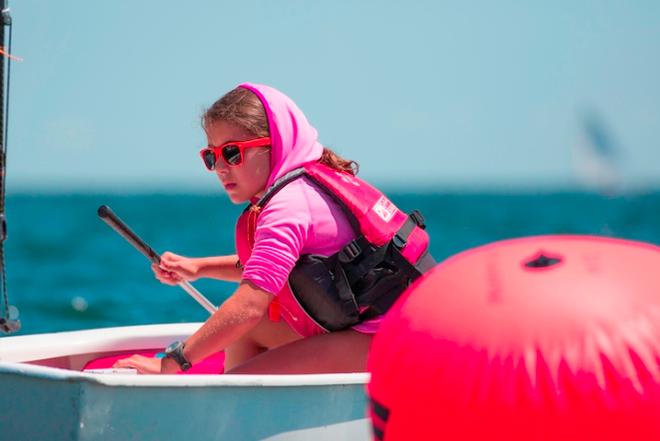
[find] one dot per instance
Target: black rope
(7, 20)
(7, 324)
(3, 159)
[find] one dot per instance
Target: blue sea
(68, 270)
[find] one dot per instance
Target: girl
(292, 246)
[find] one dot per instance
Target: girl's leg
(343, 351)
(266, 335)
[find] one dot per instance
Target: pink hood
(294, 139)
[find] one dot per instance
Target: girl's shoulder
(304, 214)
(302, 202)
(299, 195)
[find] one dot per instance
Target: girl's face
(248, 179)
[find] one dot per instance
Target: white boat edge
(187, 380)
(17, 353)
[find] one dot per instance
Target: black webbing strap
(280, 184)
(368, 258)
(426, 261)
(365, 257)
(381, 298)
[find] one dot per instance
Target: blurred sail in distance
(597, 156)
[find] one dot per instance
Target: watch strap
(175, 352)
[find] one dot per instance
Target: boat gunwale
(290, 380)
(17, 353)
(23, 348)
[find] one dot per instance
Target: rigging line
(6, 126)
(5, 21)
(6, 314)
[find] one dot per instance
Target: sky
(424, 95)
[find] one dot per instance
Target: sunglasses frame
(241, 145)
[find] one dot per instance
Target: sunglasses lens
(209, 159)
(232, 154)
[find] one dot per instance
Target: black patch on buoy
(383, 413)
(542, 261)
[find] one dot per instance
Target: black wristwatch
(175, 352)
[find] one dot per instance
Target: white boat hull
(45, 396)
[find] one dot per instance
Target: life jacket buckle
(398, 241)
(350, 252)
(418, 218)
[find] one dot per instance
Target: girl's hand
(144, 365)
(174, 268)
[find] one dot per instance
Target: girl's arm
(174, 268)
(235, 317)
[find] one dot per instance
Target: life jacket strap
(383, 294)
(280, 184)
(426, 262)
(364, 257)
(352, 250)
(415, 219)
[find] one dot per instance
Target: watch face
(172, 347)
(175, 352)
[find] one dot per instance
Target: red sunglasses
(231, 152)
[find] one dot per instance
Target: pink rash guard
(300, 218)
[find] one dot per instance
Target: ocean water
(68, 270)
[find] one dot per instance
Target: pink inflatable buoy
(540, 338)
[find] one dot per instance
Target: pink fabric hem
(370, 326)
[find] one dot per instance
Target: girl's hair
(242, 107)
